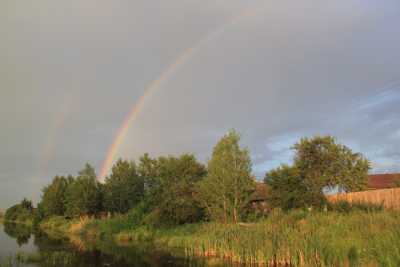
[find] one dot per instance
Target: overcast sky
(71, 70)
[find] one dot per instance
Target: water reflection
(20, 232)
(75, 252)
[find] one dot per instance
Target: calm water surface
(77, 253)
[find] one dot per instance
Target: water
(74, 252)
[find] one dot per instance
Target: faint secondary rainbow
(155, 85)
(58, 123)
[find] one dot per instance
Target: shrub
(22, 212)
(346, 207)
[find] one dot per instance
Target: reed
(78, 225)
(298, 238)
(9, 261)
(358, 237)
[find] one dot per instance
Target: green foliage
(346, 207)
(170, 188)
(149, 171)
(56, 224)
(287, 188)
(22, 212)
(319, 163)
(83, 194)
(38, 216)
(178, 176)
(226, 189)
(123, 189)
(54, 197)
(297, 238)
(325, 163)
(19, 231)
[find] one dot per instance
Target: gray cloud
(290, 69)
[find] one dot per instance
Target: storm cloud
(70, 72)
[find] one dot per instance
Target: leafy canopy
(178, 177)
(123, 189)
(21, 212)
(320, 163)
(53, 198)
(83, 195)
(324, 163)
(226, 189)
(170, 188)
(286, 188)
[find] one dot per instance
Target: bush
(22, 212)
(346, 207)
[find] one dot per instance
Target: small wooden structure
(258, 201)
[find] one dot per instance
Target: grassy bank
(60, 226)
(298, 238)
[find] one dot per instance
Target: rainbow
(155, 85)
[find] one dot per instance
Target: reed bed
(298, 238)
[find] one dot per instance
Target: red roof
(381, 181)
(261, 192)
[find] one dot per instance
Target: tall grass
(56, 224)
(299, 238)
(366, 236)
(9, 261)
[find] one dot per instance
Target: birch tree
(225, 191)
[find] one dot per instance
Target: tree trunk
(225, 215)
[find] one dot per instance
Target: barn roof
(260, 194)
(381, 181)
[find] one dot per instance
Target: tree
(319, 163)
(53, 198)
(287, 188)
(124, 188)
(21, 212)
(170, 188)
(149, 172)
(178, 176)
(226, 189)
(326, 164)
(83, 194)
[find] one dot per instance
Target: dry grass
(78, 226)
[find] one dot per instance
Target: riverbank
(298, 238)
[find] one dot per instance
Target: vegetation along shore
(210, 210)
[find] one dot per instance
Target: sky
(71, 71)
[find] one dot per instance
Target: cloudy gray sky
(70, 71)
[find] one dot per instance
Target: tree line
(178, 190)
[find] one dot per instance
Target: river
(58, 252)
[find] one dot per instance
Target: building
(383, 181)
(258, 199)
